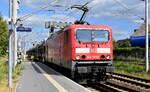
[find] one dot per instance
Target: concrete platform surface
(37, 77)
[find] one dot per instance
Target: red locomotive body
(85, 50)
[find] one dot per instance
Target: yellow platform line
(54, 82)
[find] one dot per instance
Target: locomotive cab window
(92, 35)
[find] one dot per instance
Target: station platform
(37, 77)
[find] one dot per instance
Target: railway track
(122, 83)
(133, 80)
(119, 83)
(132, 77)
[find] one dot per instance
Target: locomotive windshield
(92, 35)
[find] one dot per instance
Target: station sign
(55, 24)
(23, 29)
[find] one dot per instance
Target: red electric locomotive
(85, 50)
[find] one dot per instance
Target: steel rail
(121, 86)
(132, 82)
(132, 77)
(112, 86)
(102, 87)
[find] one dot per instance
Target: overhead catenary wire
(127, 8)
(22, 18)
(39, 10)
(72, 12)
(68, 15)
(137, 6)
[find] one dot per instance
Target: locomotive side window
(66, 36)
(92, 35)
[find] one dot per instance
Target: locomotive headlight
(83, 56)
(78, 57)
(108, 57)
(102, 57)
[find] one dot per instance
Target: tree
(115, 44)
(124, 44)
(3, 36)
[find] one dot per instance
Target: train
(139, 41)
(86, 51)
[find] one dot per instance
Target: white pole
(146, 33)
(10, 48)
(14, 18)
(24, 48)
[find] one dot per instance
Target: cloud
(38, 21)
(120, 34)
(114, 10)
(106, 9)
(117, 9)
(5, 18)
(35, 3)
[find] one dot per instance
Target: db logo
(92, 50)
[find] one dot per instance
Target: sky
(122, 15)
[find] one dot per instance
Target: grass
(129, 59)
(4, 74)
(131, 69)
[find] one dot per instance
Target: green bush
(129, 53)
(124, 44)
